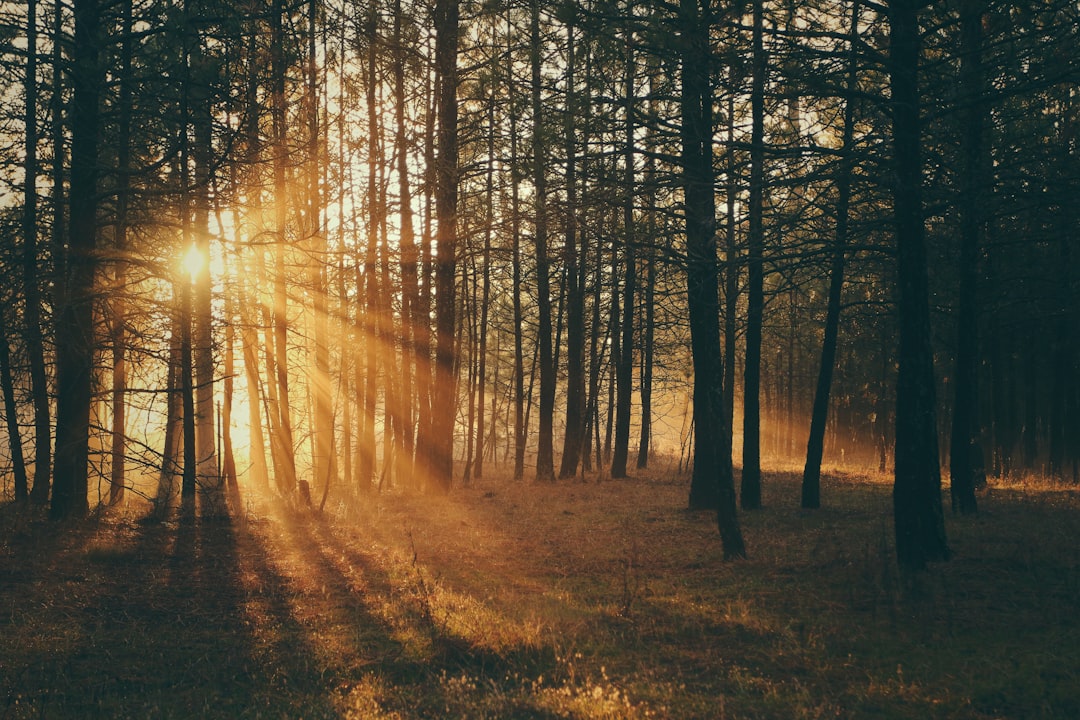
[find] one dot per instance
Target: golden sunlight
(194, 261)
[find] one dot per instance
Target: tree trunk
(920, 524)
(322, 424)
(202, 339)
(485, 292)
(519, 342)
(750, 489)
(75, 285)
(649, 301)
(170, 468)
(228, 458)
(444, 408)
(35, 346)
(815, 445)
(369, 276)
(545, 453)
(39, 494)
(712, 485)
(119, 299)
(625, 362)
(189, 482)
(574, 431)
(283, 422)
(966, 466)
(731, 264)
(649, 332)
(11, 415)
(413, 315)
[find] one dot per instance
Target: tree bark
(283, 422)
(209, 479)
(712, 485)
(574, 431)
(545, 453)
(119, 300)
(750, 489)
(413, 315)
(815, 445)
(966, 466)
(444, 408)
(920, 524)
(11, 416)
(75, 285)
(625, 362)
(35, 346)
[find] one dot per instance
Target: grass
(516, 600)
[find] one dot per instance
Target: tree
(624, 362)
(966, 467)
(35, 331)
(444, 408)
(75, 339)
(750, 486)
(11, 415)
(712, 485)
(811, 483)
(545, 455)
(574, 433)
(920, 524)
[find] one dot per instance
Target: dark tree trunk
(11, 416)
(119, 300)
(624, 369)
(649, 332)
(515, 234)
(322, 422)
(574, 434)
(188, 484)
(966, 466)
(202, 339)
(228, 458)
(545, 454)
(75, 286)
(485, 291)
(750, 488)
(35, 346)
(444, 407)
(811, 482)
(368, 278)
(712, 485)
(411, 310)
(920, 523)
(39, 494)
(731, 265)
(649, 301)
(170, 466)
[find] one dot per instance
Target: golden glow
(194, 261)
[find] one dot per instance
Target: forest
(476, 355)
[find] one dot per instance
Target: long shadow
(42, 573)
(157, 621)
(413, 653)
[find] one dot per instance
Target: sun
(193, 262)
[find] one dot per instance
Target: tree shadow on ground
(389, 646)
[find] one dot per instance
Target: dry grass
(515, 600)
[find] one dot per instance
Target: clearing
(517, 600)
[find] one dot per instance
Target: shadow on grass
(392, 648)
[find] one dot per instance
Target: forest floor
(516, 600)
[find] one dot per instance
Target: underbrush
(597, 599)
